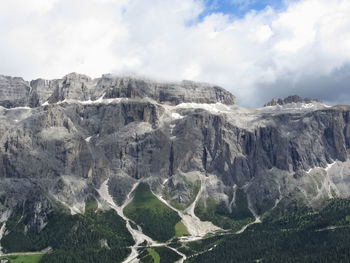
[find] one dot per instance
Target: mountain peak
(290, 99)
(75, 75)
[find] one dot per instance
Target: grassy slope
(158, 255)
(156, 219)
(154, 255)
(25, 258)
(180, 230)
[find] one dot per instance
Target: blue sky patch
(238, 8)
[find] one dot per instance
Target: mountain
(114, 168)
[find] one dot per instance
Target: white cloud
(25, 7)
(250, 56)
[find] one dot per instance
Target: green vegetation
(278, 246)
(158, 255)
(156, 219)
(92, 237)
(347, 219)
(180, 229)
(91, 206)
(25, 258)
(145, 255)
(220, 215)
(154, 255)
(167, 255)
(240, 209)
(298, 216)
(290, 233)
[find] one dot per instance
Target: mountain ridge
(16, 92)
(216, 164)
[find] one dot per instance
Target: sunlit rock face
(62, 138)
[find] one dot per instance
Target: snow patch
(238, 116)
(294, 107)
(176, 116)
(213, 107)
(100, 100)
(19, 108)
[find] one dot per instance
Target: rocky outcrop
(15, 92)
(173, 93)
(290, 99)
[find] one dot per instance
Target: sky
(256, 49)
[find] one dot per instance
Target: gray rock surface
(126, 129)
(15, 92)
(290, 99)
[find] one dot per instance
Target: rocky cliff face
(15, 92)
(65, 137)
(290, 99)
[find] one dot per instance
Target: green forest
(73, 238)
(292, 232)
(289, 233)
